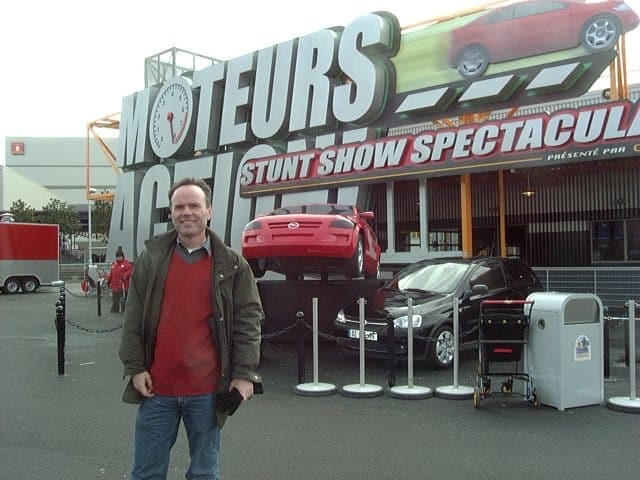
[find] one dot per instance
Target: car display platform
(283, 299)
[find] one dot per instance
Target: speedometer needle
(170, 120)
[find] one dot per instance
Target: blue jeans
(157, 426)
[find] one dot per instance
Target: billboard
(311, 116)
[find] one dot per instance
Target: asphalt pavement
(74, 426)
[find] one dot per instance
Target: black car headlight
(403, 322)
(340, 318)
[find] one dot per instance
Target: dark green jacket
(235, 325)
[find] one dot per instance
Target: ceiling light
(528, 190)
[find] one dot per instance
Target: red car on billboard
(314, 239)
(535, 27)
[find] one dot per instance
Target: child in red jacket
(118, 280)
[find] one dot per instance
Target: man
(191, 334)
(118, 281)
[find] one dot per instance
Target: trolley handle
(507, 302)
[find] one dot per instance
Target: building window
(444, 240)
(633, 240)
(616, 241)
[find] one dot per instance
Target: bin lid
(558, 301)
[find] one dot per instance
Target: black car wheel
(600, 33)
(440, 351)
(356, 263)
(473, 61)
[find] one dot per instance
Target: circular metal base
(624, 404)
(413, 392)
(361, 391)
(315, 389)
(452, 392)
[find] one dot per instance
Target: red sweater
(186, 360)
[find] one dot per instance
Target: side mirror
(367, 215)
(480, 289)
(475, 291)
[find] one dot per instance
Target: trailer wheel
(30, 284)
(12, 285)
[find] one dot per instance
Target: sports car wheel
(258, 266)
(600, 33)
(375, 275)
(12, 285)
(29, 284)
(440, 351)
(473, 61)
(356, 263)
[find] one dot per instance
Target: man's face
(189, 212)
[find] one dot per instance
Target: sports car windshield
(318, 209)
(438, 278)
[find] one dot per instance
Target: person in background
(190, 339)
(118, 280)
(64, 246)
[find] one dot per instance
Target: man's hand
(142, 382)
(245, 387)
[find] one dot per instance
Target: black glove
(229, 401)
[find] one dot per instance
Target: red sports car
(315, 238)
(535, 27)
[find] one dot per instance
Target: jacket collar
(168, 241)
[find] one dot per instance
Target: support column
(466, 215)
(501, 215)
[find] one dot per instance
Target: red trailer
(29, 256)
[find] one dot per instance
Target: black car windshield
(438, 277)
(314, 209)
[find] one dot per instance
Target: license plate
(368, 335)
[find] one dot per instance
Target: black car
(433, 284)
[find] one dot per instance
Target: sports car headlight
(341, 223)
(403, 322)
(340, 317)
(253, 225)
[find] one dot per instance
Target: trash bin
(565, 350)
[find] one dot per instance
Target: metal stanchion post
(627, 353)
(629, 404)
(362, 389)
(410, 390)
(302, 374)
(99, 290)
(606, 340)
(60, 324)
(391, 351)
(315, 389)
(455, 391)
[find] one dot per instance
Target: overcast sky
(70, 62)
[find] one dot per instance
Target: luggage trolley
(502, 338)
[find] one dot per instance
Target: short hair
(198, 182)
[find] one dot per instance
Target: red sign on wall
(17, 148)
